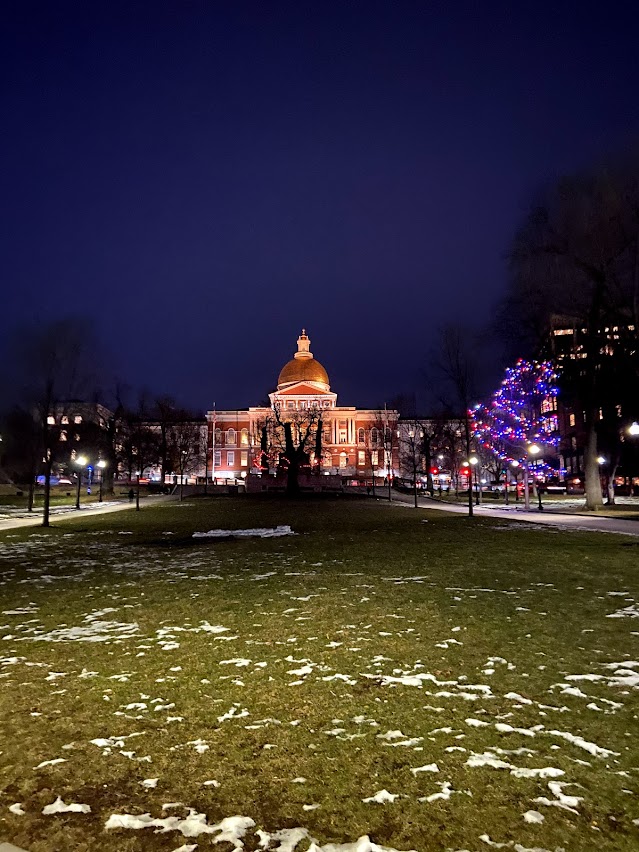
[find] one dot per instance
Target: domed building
(356, 444)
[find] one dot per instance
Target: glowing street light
(82, 462)
(101, 464)
(474, 462)
(601, 460)
(633, 429)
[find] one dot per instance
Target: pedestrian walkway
(61, 513)
(594, 523)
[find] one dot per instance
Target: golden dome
(297, 370)
(303, 367)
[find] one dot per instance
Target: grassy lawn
(470, 668)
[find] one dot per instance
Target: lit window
(76, 437)
(374, 458)
(244, 458)
(230, 458)
(244, 438)
(618, 411)
(63, 435)
(64, 420)
(51, 420)
(343, 460)
(230, 437)
(361, 458)
(77, 418)
(217, 458)
(360, 436)
(571, 419)
(302, 403)
(374, 436)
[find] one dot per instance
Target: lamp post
(101, 464)
(466, 466)
(81, 462)
(533, 450)
(514, 464)
(474, 461)
(633, 429)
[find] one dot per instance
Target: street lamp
(514, 464)
(474, 462)
(81, 462)
(633, 429)
(533, 450)
(101, 464)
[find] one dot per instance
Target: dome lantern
(303, 367)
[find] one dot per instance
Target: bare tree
(577, 255)
(186, 445)
(52, 367)
(295, 434)
(457, 367)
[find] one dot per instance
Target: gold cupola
(303, 367)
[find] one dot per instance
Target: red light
(434, 470)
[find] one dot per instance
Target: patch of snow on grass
(256, 532)
(58, 807)
(381, 797)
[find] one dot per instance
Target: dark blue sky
(203, 179)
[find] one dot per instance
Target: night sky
(200, 180)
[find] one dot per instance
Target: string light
(520, 413)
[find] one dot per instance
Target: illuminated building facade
(357, 444)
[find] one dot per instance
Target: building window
(290, 404)
(618, 411)
(343, 460)
(361, 436)
(553, 423)
(374, 459)
(230, 458)
(217, 436)
(342, 432)
(244, 458)
(230, 437)
(327, 403)
(549, 404)
(76, 437)
(571, 420)
(64, 420)
(361, 458)
(302, 403)
(244, 437)
(374, 436)
(63, 434)
(77, 418)
(51, 420)
(217, 458)
(327, 436)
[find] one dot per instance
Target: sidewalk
(9, 522)
(588, 523)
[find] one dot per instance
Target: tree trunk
(594, 500)
(137, 495)
(31, 494)
(610, 485)
(318, 447)
(47, 492)
(292, 472)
